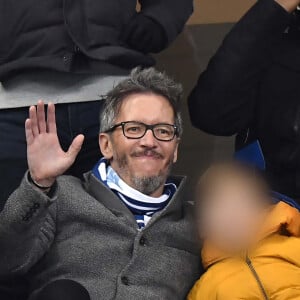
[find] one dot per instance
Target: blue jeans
(72, 119)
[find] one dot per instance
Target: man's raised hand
(46, 159)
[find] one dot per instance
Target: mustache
(147, 152)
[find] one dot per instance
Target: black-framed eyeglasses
(136, 130)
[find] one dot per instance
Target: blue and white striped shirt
(142, 206)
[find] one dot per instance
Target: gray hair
(142, 81)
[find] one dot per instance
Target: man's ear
(105, 145)
(176, 152)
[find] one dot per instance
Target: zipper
(258, 280)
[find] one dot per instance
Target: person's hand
(144, 34)
(46, 159)
(289, 5)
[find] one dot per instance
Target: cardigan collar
(110, 200)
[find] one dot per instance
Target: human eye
(164, 131)
(134, 128)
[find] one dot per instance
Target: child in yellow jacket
(251, 246)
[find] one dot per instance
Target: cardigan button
(76, 49)
(67, 58)
(36, 205)
(25, 218)
(143, 241)
(125, 280)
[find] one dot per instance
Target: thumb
(75, 147)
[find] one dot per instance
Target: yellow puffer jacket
(271, 271)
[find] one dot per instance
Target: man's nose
(149, 139)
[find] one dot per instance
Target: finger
(41, 118)
(33, 120)
(76, 146)
(51, 119)
(28, 132)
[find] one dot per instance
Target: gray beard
(145, 185)
(148, 185)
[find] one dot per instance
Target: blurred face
(143, 163)
(232, 214)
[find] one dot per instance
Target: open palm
(46, 158)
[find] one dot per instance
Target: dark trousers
(63, 290)
(72, 119)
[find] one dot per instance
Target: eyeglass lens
(136, 130)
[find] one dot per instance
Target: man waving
(126, 232)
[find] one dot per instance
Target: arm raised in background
(157, 24)
(27, 222)
(224, 99)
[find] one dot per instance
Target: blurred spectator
(245, 237)
(251, 87)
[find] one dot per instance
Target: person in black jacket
(251, 87)
(50, 34)
(71, 52)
